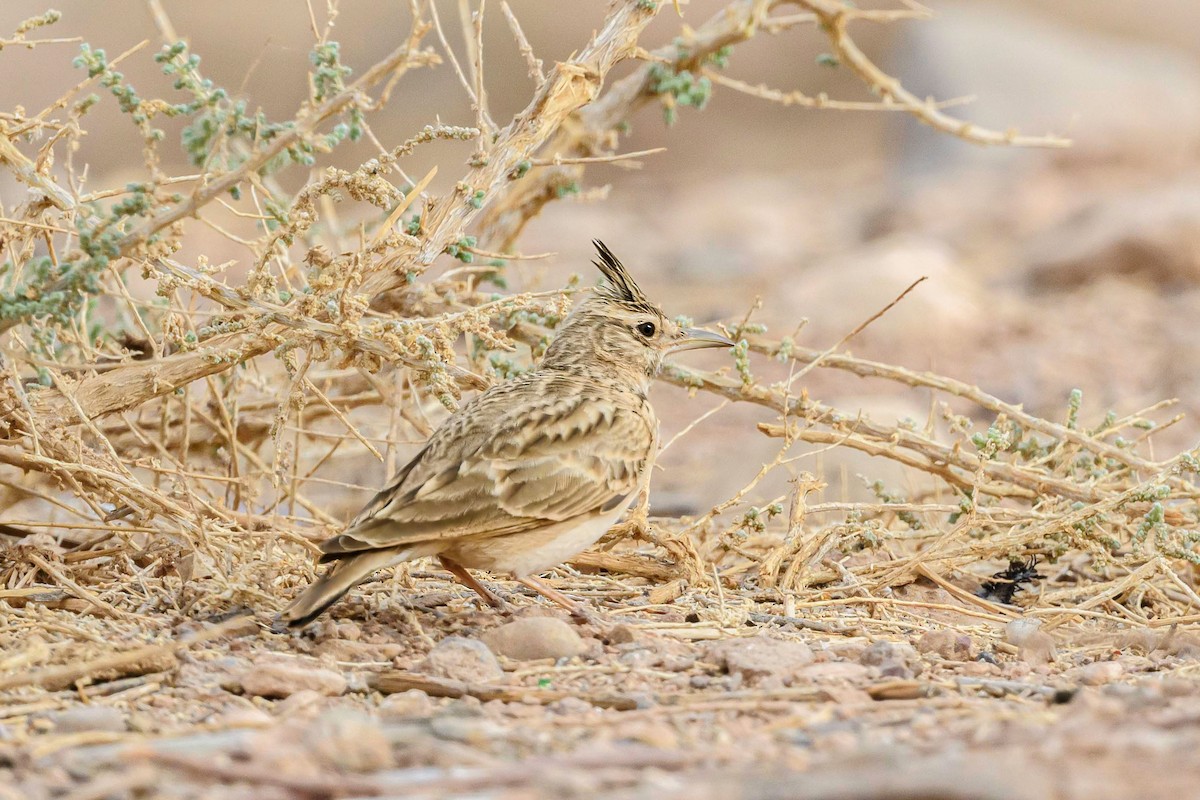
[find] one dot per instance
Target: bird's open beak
(696, 339)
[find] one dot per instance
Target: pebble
(1184, 646)
(245, 718)
(947, 644)
(88, 718)
(892, 659)
(351, 650)
(462, 659)
(1037, 649)
(979, 668)
(883, 652)
(405, 705)
(622, 634)
(533, 638)
(470, 730)
(761, 660)
(303, 702)
(638, 659)
(349, 741)
(833, 671)
(1019, 630)
(1098, 673)
(279, 679)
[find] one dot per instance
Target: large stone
(1152, 234)
(941, 317)
(88, 718)
(462, 659)
(1108, 94)
(276, 679)
(948, 644)
(761, 660)
(1038, 649)
(349, 741)
(1097, 673)
(532, 638)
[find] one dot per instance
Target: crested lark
(532, 471)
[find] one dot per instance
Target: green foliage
(40, 21)
(741, 359)
(720, 58)
(896, 498)
(329, 74)
(755, 519)
(680, 89)
(57, 291)
(96, 64)
(460, 249)
(1073, 404)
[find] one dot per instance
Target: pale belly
(538, 550)
(534, 551)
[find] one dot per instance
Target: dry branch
(195, 434)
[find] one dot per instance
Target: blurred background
(1048, 270)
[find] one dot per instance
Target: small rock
(760, 660)
(1184, 646)
(1037, 649)
(349, 629)
(533, 638)
(462, 659)
(883, 652)
(947, 644)
(349, 741)
(833, 672)
(405, 705)
(676, 663)
(1152, 233)
(1097, 673)
(569, 706)
(245, 718)
(470, 730)
(88, 718)
(275, 679)
(637, 659)
(622, 634)
(303, 702)
(897, 669)
(350, 650)
(979, 668)
(849, 651)
(1017, 631)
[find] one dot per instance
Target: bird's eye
(646, 329)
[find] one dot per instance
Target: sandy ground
(1077, 272)
(703, 696)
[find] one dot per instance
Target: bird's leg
(467, 579)
(578, 613)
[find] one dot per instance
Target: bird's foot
(467, 579)
(580, 614)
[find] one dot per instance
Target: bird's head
(620, 329)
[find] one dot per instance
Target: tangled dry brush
(171, 426)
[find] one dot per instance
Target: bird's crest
(618, 285)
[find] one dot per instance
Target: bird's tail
(346, 573)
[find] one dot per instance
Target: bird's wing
(515, 463)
